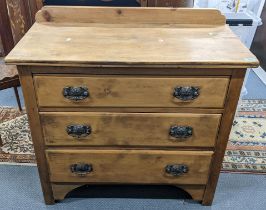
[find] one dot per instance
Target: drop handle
(78, 131)
(81, 169)
(176, 169)
(186, 93)
(180, 132)
(75, 93)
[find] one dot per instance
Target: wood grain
(133, 110)
(128, 70)
(36, 132)
(39, 4)
(60, 190)
(33, 9)
(130, 91)
(20, 18)
(5, 29)
(130, 59)
(117, 42)
(130, 129)
(223, 136)
(129, 166)
(81, 14)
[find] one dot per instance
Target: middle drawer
(129, 129)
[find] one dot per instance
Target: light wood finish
(189, 41)
(124, 15)
(127, 70)
(129, 166)
(133, 110)
(60, 190)
(36, 132)
(222, 139)
(136, 129)
(130, 59)
(130, 91)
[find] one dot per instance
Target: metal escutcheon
(180, 131)
(78, 131)
(186, 93)
(81, 169)
(76, 93)
(176, 170)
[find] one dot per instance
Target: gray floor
(20, 189)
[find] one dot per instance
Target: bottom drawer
(129, 166)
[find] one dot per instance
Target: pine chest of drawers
(130, 96)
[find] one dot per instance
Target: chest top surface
(84, 36)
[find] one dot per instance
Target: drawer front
(129, 166)
(102, 91)
(130, 129)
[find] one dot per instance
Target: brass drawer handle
(181, 131)
(186, 93)
(176, 170)
(78, 131)
(81, 169)
(76, 93)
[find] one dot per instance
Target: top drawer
(128, 91)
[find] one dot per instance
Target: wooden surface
(129, 15)
(60, 190)
(132, 91)
(9, 79)
(130, 59)
(8, 76)
(223, 135)
(90, 36)
(20, 18)
(158, 70)
(16, 17)
(7, 72)
(36, 132)
(129, 166)
(5, 29)
(135, 129)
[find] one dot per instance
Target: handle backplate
(75, 93)
(176, 169)
(78, 131)
(186, 93)
(180, 132)
(81, 169)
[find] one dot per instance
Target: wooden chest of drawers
(130, 96)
